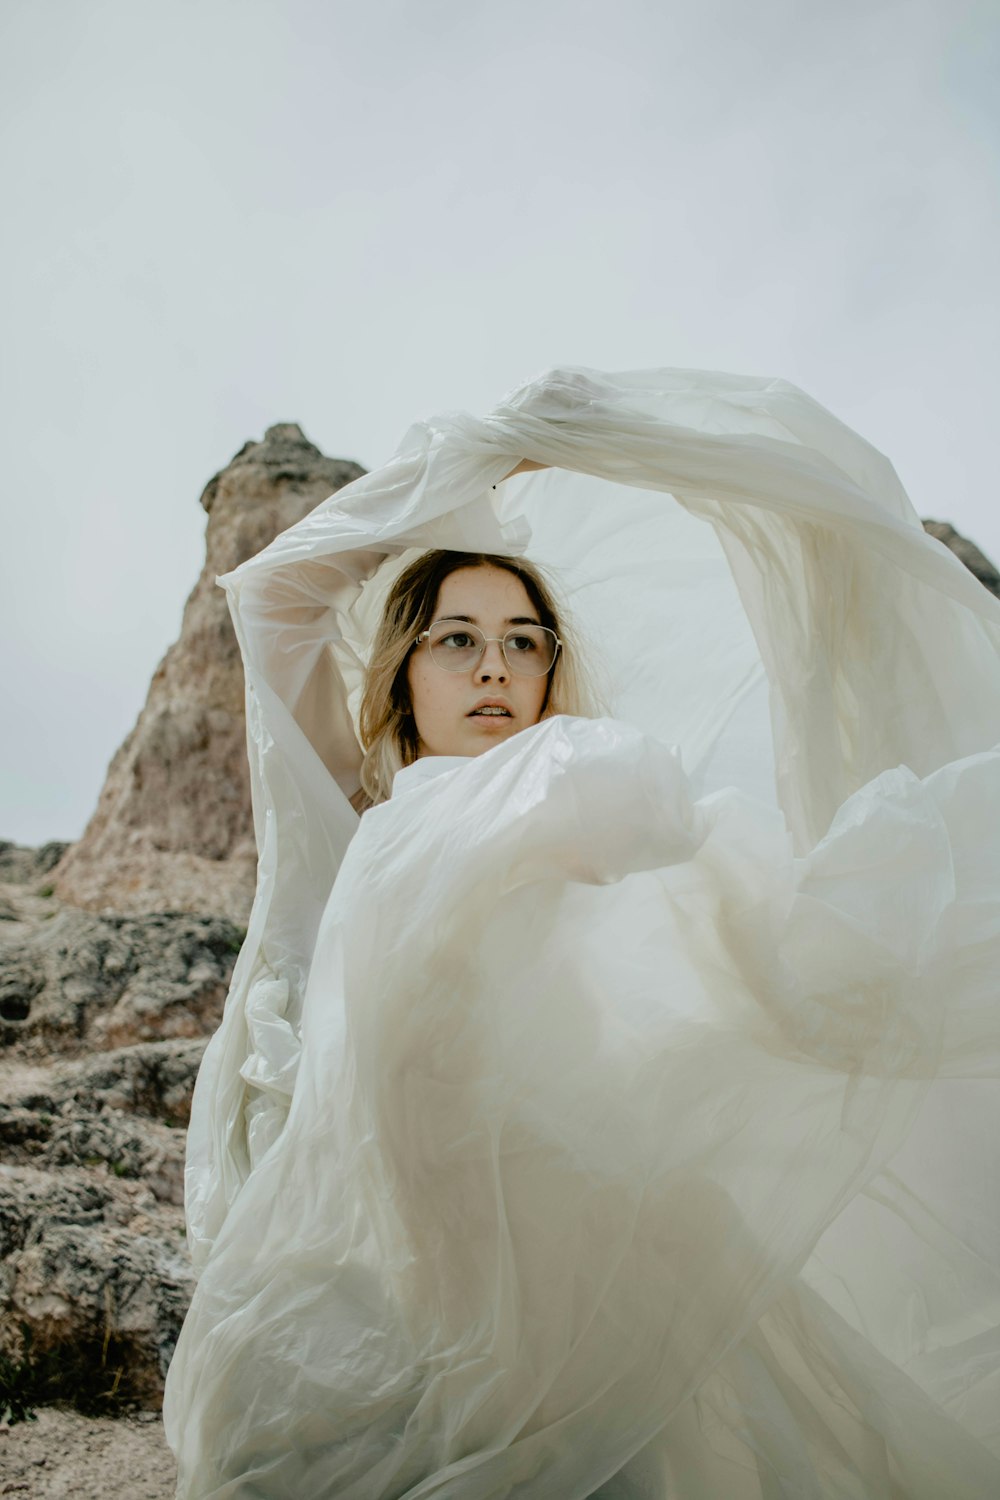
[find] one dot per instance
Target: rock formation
(115, 959)
(172, 830)
(103, 1022)
(976, 561)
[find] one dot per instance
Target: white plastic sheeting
(615, 1113)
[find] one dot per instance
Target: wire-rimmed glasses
(457, 646)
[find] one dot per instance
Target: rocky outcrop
(976, 562)
(173, 829)
(96, 1282)
(85, 981)
(115, 959)
(20, 866)
(103, 1022)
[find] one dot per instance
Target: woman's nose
(492, 664)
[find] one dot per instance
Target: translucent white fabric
(615, 1113)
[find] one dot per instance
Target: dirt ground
(63, 1456)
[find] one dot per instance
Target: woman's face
(447, 705)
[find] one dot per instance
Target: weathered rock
(173, 828)
(976, 562)
(94, 1284)
(152, 1079)
(122, 1111)
(24, 904)
(94, 1272)
(20, 866)
(86, 982)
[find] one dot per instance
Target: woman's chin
(474, 737)
(482, 733)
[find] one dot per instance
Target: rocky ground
(103, 1021)
(65, 1456)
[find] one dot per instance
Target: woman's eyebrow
(513, 620)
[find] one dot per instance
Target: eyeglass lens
(528, 650)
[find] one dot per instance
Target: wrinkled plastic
(615, 1113)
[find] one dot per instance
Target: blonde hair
(388, 731)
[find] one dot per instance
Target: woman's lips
(491, 708)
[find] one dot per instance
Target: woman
(609, 1125)
(470, 651)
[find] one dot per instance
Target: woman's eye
(459, 640)
(521, 643)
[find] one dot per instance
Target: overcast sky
(226, 213)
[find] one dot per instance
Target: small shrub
(16, 1382)
(14, 1406)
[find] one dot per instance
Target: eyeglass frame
(499, 639)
